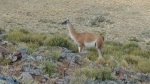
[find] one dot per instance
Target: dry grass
(95, 73)
(121, 54)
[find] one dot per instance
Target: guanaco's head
(65, 22)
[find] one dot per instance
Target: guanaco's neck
(72, 32)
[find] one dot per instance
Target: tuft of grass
(62, 41)
(124, 63)
(25, 36)
(4, 61)
(54, 54)
(133, 39)
(96, 74)
(143, 65)
(50, 68)
(31, 39)
(131, 47)
(148, 43)
(112, 62)
(24, 31)
(78, 80)
(112, 48)
(92, 54)
(131, 59)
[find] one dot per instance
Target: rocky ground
(26, 68)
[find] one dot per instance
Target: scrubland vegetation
(128, 55)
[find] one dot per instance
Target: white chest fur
(90, 44)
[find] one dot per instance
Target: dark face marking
(65, 22)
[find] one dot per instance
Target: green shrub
(50, 68)
(62, 41)
(15, 35)
(25, 36)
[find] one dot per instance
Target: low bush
(49, 68)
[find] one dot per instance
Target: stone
(3, 51)
(3, 81)
(26, 75)
(18, 55)
(24, 51)
(31, 69)
(7, 79)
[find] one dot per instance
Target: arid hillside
(35, 48)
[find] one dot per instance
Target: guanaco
(84, 39)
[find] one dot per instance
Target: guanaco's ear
(65, 22)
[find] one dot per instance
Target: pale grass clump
(54, 53)
(133, 39)
(4, 61)
(124, 63)
(95, 73)
(92, 54)
(143, 65)
(23, 35)
(132, 60)
(49, 68)
(78, 79)
(112, 62)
